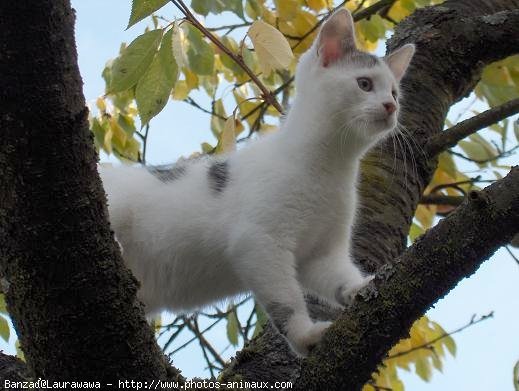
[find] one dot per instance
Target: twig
(512, 254)
(194, 338)
(440, 199)
(200, 336)
(450, 137)
(145, 143)
(483, 161)
(457, 185)
(428, 344)
(366, 13)
(230, 27)
(267, 95)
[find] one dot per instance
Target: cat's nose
(390, 107)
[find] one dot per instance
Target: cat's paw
(303, 341)
(346, 293)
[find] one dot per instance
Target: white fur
(281, 225)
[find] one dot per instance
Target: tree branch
(267, 95)
(450, 137)
(383, 312)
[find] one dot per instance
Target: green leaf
(415, 231)
(261, 320)
(130, 66)
(4, 329)
(144, 8)
(3, 307)
(200, 54)
(203, 7)
(232, 328)
(154, 88)
(228, 62)
(474, 150)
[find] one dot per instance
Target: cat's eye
(394, 94)
(365, 83)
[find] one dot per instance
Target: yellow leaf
(271, 47)
(287, 9)
(317, 5)
(425, 215)
(107, 142)
(178, 42)
(181, 90)
(227, 142)
(217, 122)
(119, 135)
(101, 104)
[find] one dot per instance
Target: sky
(486, 352)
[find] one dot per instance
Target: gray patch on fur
(280, 314)
(218, 175)
(363, 60)
(168, 172)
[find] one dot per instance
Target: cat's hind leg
(269, 271)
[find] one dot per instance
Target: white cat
(275, 217)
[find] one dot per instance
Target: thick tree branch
(383, 312)
(72, 301)
(12, 368)
(450, 137)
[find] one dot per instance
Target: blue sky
(486, 352)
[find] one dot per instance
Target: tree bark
(72, 301)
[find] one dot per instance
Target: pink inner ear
(331, 51)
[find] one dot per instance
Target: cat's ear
(337, 37)
(399, 60)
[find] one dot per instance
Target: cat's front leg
(334, 277)
(269, 272)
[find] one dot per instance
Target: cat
(274, 217)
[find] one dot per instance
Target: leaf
(143, 8)
(447, 164)
(203, 7)
(3, 307)
(261, 320)
(232, 328)
(423, 369)
(155, 86)
(227, 141)
(217, 122)
(287, 9)
(178, 48)
(316, 5)
(271, 47)
(130, 66)
(200, 54)
(4, 329)
(415, 231)
(474, 151)
(449, 343)
(254, 9)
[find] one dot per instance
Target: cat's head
(357, 90)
